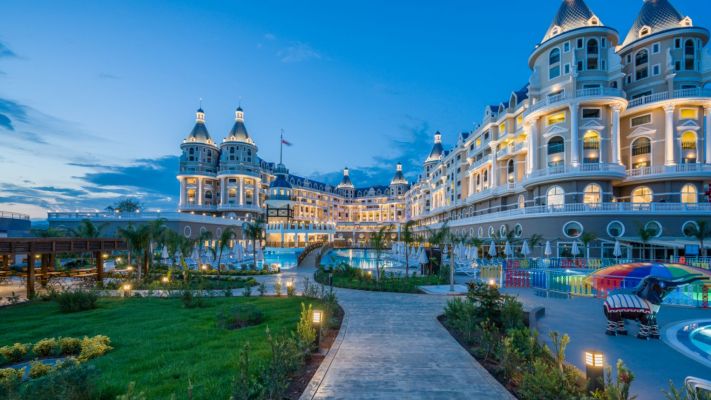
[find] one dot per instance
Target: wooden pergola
(46, 249)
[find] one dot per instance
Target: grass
(157, 343)
(354, 278)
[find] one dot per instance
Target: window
(592, 195)
(593, 54)
(480, 232)
(521, 201)
(591, 147)
(491, 231)
(688, 113)
(555, 197)
(566, 69)
(689, 194)
(689, 228)
(689, 52)
(510, 171)
(556, 145)
(644, 32)
(677, 43)
(554, 64)
(580, 43)
(187, 231)
(641, 146)
(502, 129)
(615, 229)
(642, 195)
(518, 231)
(555, 118)
(688, 147)
(654, 227)
(640, 62)
(573, 229)
(655, 48)
(566, 47)
(591, 113)
(641, 120)
(502, 231)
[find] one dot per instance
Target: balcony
(480, 162)
(668, 171)
(579, 94)
(511, 150)
(676, 94)
(106, 216)
(574, 172)
(12, 215)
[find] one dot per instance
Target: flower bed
(345, 276)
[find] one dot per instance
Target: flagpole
(281, 146)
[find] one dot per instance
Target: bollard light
(118, 260)
(289, 284)
(105, 256)
(370, 274)
(204, 267)
(492, 282)
(129, 268)
(316, 319)
(595, 370)
(165, 279)
(126, 289)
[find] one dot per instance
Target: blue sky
(95, 97)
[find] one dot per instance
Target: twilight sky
(95, 97)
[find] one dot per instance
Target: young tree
(438, 238)
(645, 235)
(253, 231)
(157, 230)
(223, 242)
(138, 240)
(377, 242)
(701, 231)
(586, 239)
(408, 238)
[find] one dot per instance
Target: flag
(283, 141)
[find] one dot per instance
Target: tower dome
(199, 133)
(238, 133)
(654, 17)
(437, 149)
(399, 178)
(572, 14)
(346, 181)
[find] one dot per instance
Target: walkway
(391, 346)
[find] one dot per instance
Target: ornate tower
(346, 188)
(198, 168)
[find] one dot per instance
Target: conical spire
(655, 16)
(437, 149)
(199, 133)
(346, 181)
(572, 14)
(399, 178)
(238, 133)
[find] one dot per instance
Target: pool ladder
(696, 385)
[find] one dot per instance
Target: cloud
(298, 52)
(269, 36)
(108, 76)
(5, 51)
(410, 150)
(6, 123)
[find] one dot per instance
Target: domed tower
(198, 168)
(280, 199)
(346, 188)
(239, 173)
(398, 185)
(436, 153)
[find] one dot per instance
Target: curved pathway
(391, 346)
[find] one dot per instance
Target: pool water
(358, 258)
(284, 258)
(693, 339)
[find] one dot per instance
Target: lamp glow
(165, 279)
(129, 268)
(317, 315)
(126, 287)
(594, 359)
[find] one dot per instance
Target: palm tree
(701, 230)
(253, 231)
(535, 240)
(408, 237)
(50, 232)
(645, 235)
(587, 238)
(222, 243)
(87, 230)
(377, 242)
(157, 231)
(178, 243)
(438, 238)
(138, 241)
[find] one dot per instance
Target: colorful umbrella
(631, 274)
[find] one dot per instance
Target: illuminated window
(554, 64)
(502, 129)
(555, 118)
(556, 145)
(642, 195)
(689, 194)
(592, 195)
(521, 201)
(688, 147)
(519, 121)
(591, 147)
(688, 113)
(478, 142)
(573, 229)
(555, 197)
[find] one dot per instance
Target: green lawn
(353, 278)
(157, 343)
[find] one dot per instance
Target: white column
(183, 192)
(669, 135)
(535, 153)
(529, 144)
(707, 138)
(199, 191)
(574, 134)
(615, 135)
(223, 191)
(493, 179)
(241, 191)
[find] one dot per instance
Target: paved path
(391, 346)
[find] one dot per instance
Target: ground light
(316, 319)
(126, 290)
(165, 279)
(492, 282)
(595, 370)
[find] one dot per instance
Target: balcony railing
(590, 92)
(676, 94)
(582, 168)
(12, 215)
(668, 169)
(138, 216)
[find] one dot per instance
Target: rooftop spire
(346, 181)
(199, 133)
(437, 150)
(399, 178)
(572, 14)
(656, 16)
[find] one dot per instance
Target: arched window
(591, 147)
(688, 147)
(642, 195)
(486, 178)
(592, 195)
(554, 64)
(689, 194)
(593, 54)
(521, 201)
(689, 53)
(478, 182)
(510, 169)
(555, 197)
(556, 145)
(641, 61)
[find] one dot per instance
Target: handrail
(14, 215)
(676, 94)
(588, 92)
(668, 169)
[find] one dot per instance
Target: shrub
(14, 353)
(285, 359)
(290, 289)
(69, 346)
(619, 389)
(131, 393)
(76, 300)
(240, 316)
(462, 316)
(190, 301)
(246, 386)
(277, 288)
(38, 369)
(71, 383)
(45, 347)
(305, 331)
(8, 375)
(262, 289)
(94, 347)
(247, 291)
(545, 381)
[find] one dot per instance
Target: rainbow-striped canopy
(629, 275)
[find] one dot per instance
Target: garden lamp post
(317, 317)
(595, 370)
(126, 290)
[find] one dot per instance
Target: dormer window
(686, 22)
(644, 31)
(555, 30)
(594, 21)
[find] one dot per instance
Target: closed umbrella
(548, 251)
(475, 253)
(195, 255)
(618, 249)
(445, 254)
(423, 257)
(525, 251)
(508, 251)
(492, 249)
(164, 255)
(575, 251)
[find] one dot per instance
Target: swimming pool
(359, 258)
(691, 338)
(284, 258)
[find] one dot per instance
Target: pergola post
(6, 262)
(52, 262)
(44, 261)
(98, 256)
(30, 275)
